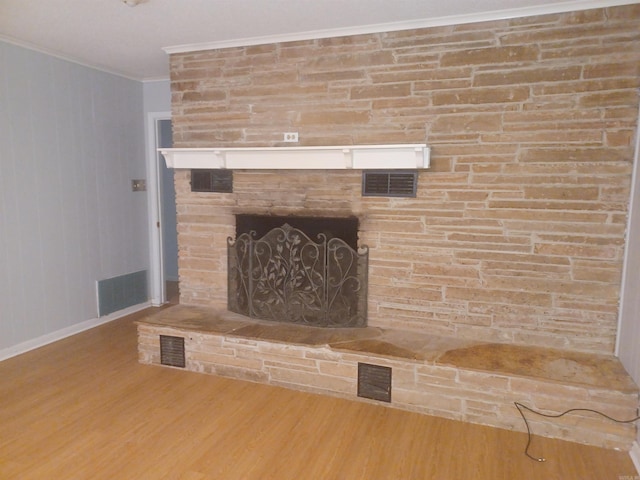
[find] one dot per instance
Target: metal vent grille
(172, 351)
(216, 181)
(374, 382)
(118, 293)
(392, 183)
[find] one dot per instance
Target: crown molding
(560, 7)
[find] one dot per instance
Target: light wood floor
(83, 408)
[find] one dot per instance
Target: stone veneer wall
(517, 232)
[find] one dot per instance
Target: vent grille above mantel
(359, 157)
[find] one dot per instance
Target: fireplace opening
(344, 228)
(304, 270)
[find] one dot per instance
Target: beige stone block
(624, 97)
(308, 366)
(204, 96)
(344, 370)
(529, 76)
(468, 195)
(563, 193)
(579, 251)
(552, 286)
(492, 55)
(427, 401)
(574, 154)
(281, 350)
(235, 372)
(531, 388)
(470, 122)
(333, 76)
(561, 132)
(227, 360)
(495, 396)
(279, 376)
(475, 409)
(334, 117)
(584, 406)
(624, 399)
(197, 348)
(435, 374)
(499, 296)
(348, 61)
(392, 90)
(240, 342)
(419, 295)
(477, 96)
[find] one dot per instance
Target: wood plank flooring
(83, 408)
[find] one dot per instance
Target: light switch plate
(139, 185)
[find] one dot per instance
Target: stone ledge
(459, 379)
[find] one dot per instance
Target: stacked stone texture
(517, 232)
(427, 387)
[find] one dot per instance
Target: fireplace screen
(287, 277)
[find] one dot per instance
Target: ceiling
(129, 41)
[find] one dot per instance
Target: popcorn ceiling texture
(517, 232)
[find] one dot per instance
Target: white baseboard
(67, 332)
(635, 455)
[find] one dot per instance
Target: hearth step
(476, 382)
(374, 382)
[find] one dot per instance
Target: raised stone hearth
(460, 379)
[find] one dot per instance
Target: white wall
(629, 332)
(71, 141)
(157, 96)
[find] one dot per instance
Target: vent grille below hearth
(172, 351)
(374, 382)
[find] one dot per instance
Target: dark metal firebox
(287, 277)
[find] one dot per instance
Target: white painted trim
(67, 332)
(634, 453)
(360, 157)
(164, 78)
(154, 196)
(635, 178)
(560, 7)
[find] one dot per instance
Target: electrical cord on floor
(522, 407)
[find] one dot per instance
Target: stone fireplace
(303, 270)
(498, 282)
(517, 232)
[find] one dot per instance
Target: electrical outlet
(290, 136)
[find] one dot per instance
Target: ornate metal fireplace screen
(287, 277)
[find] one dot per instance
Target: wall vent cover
(374, 382)
(118, 293)
(389, 183)
(172, 351)
(214, 181)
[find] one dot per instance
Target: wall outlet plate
(290, 136)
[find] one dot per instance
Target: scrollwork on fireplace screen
(287, 277)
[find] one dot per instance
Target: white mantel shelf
(360, 157)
